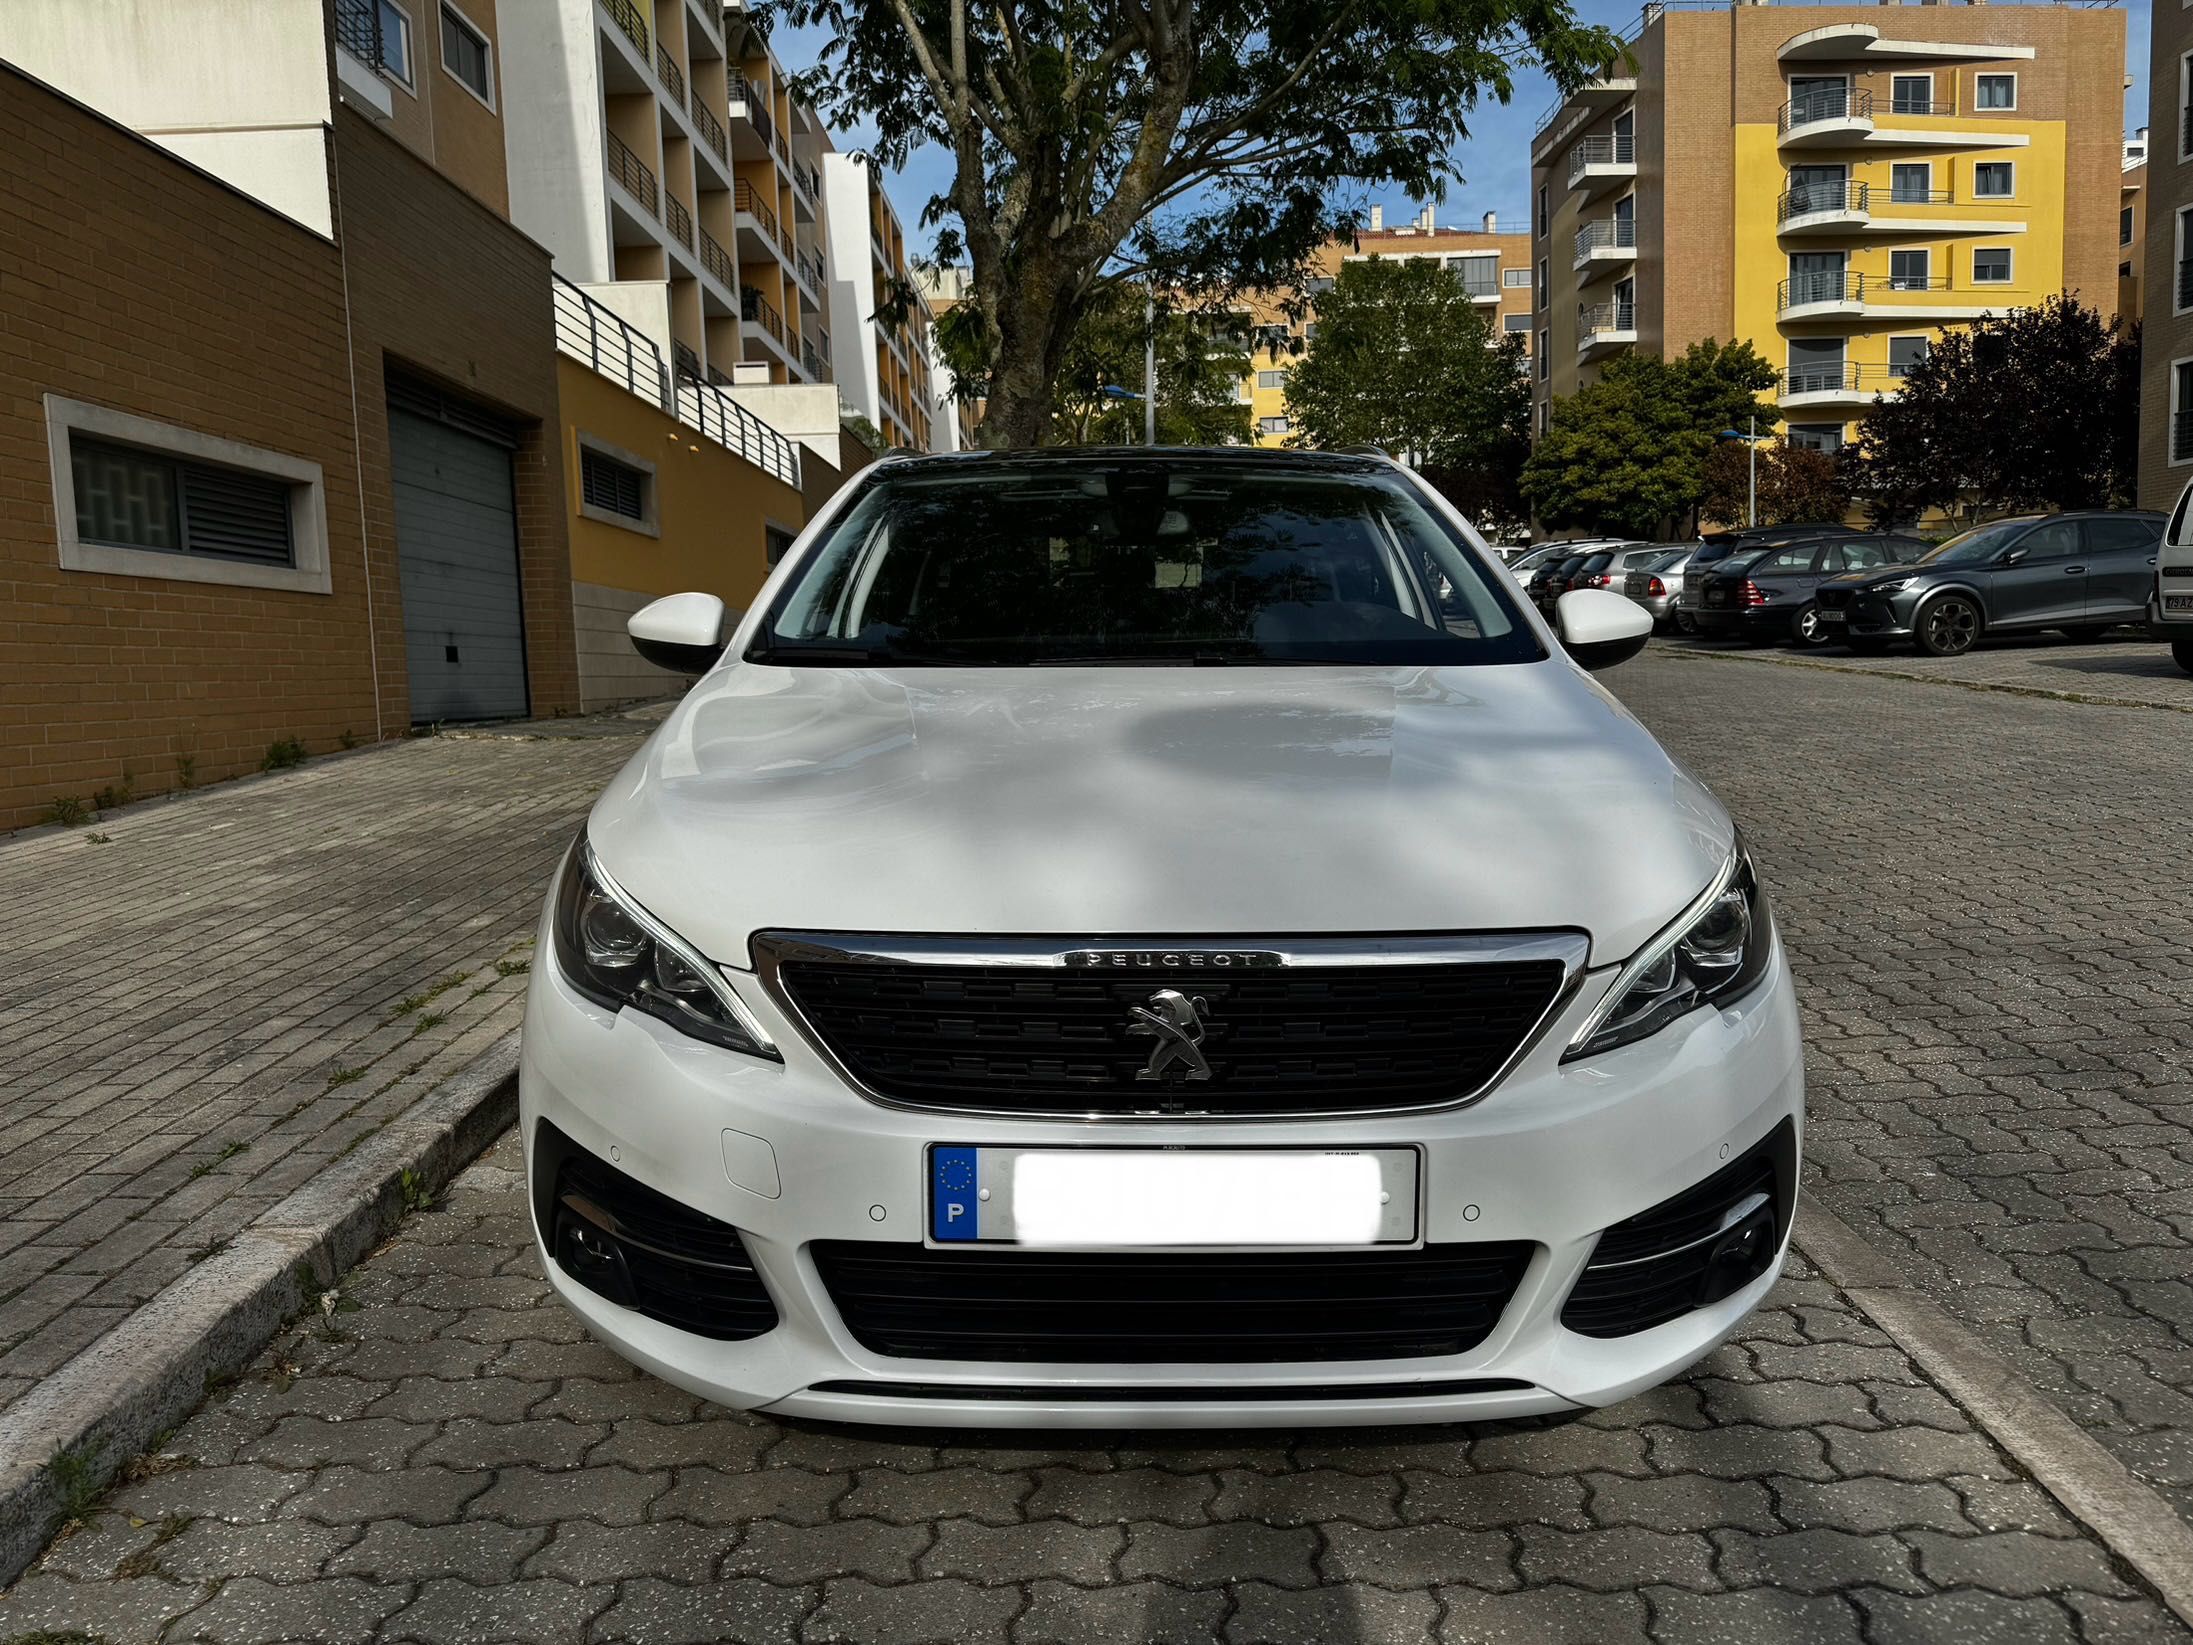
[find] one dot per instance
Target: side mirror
(1600, 628)
(680, 632)
(2010, 556)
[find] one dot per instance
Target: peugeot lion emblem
(1175, 1021)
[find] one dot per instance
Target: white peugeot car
(1138, 938)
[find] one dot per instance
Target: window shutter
(612, 486)
(236, 516)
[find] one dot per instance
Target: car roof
(1337, 462)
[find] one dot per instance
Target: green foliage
(68, 811)
(186, 771)
(861, 429)
(112, 797)
(1197, 378)
(283, 753)
(1460, 411)
(417, 1195)
(1794, 484)
(97, 838)
(2033, 408)
(1203, 144)
(1627, 455)
(79, 1482)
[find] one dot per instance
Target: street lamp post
(1750, 439)
(1149, 371)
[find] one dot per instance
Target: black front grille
(1649, 1269)
(670, 1262)
(1079, 1307)
(1834, 599)
(1294, 1040)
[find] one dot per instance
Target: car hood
(1159, 802)
(1878, 574)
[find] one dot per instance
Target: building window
(2124, 226)
(776, 540)
(1912, 94)
(1271, 425)
(1816, 436)
(1995, 91)
(1911, 182)
(1318, 283)
(139, 498)
(395, 43)
(1993, 180)
(1991, 266)
(2185, 260)
(2181, 412)
(1545, 412)
(1545, 355)
(1545, 284)
(1908, 270)
(467, 55)
(1515, 278)
(1271, 379)
(615, 487)
(1906, 352)
(1545, 221)
(1517, 322)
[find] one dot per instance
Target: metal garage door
(457, 553)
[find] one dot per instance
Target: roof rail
(1366, 448)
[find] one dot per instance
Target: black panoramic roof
(1343, 462)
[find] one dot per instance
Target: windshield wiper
(1149, 659)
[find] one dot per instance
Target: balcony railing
(809, 359)
(756, 110)
(679, 220)
(672, 77)
(1918, 100)
(1826, 103)
(757, 308)
(358, 30)
(749, 201)
(807, 180)
(1845, 287)
(1808, 198)
(717, 261)
(627, 17)
(1604, 317)
(1839, 378)
(711, 130)
(1614, 234)
(810, 267)
(613, 349)
(632, 173)
(1600, 151)
(822, 345)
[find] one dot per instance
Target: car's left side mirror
(1600, 628)
(680, 632)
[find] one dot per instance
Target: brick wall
(131, 281)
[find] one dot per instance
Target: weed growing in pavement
(97, 838)
(512, 968)
(74, 1470)
(345, 1151)
(68, 811)
(432, 1019)
(186, 771)
(282, 753)
(112, 797)
(349, 739)
(427, 996)
(417, 1195)
(341, 1076)
(146, 1560)
(53, 1636)
(206, 1253)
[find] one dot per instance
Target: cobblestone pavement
(209, 999)
(453, 1461)
(1998, 1004)
(2127, 667)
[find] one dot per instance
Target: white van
(2170, 616)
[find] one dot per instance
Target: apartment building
(2132, 232)
(655, 149)
(299, 477)
(1835, 184)
(1493, 266)
(883, 366)
(2166, 330)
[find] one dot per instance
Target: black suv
(2082, 573)
(1768, 594)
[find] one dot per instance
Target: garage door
(457, 554)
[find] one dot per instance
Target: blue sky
(1491, 168)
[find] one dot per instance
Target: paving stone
(749, 1611)
(1815, 1562)
(1905, 1619)
(1265, 1615)
(536, 1496)
(924, 1498)
(713, 1496)
(316, 1442)
(946, 1612)
(532, 1611)
(1022, 1553)
(1740, 1452)
(243, 1494)
(1491, 1501)
(1681, 1502)
(1912, 1453)
(1541, 1616)
(2017, 1562)
(815, 1553)
(1202, 1556)
(1417, 1556)
(43, 1608)
(248, 1610)
(468, 1443)
(1621, 1559)
(1313, 1496)
(1125, 1494)
(1757, 1616)
(1869, 1507)
(1146, 1613)
(640, 1443)
(1573, 1448)
(211, 1549)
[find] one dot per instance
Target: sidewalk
(211, 1000)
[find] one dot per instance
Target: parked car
(1566, 576)
(1657, 585)
(2082, 573)
(1625, 558)
(1768, 594)
(2170, 613)
(1521, 567)
(1549, 580)
(1721, 544)
(1009, 989)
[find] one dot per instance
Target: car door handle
(2073, 570)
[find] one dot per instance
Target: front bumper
(1745, 620)
(1873, 617)
(1553, 1155)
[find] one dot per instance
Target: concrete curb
(149, 1372)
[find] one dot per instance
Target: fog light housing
(1741, 1253)
(591, 1255)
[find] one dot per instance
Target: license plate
(1717, 596)
(1828, 616)
(2178, 602)
(1207, 1198)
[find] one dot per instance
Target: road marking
(2132, 1520)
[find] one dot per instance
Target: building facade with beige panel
(1834, 184)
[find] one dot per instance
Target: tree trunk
(1035, 321)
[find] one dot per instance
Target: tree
(1628, 453)
(1198, 378)
(2033, 408)
(1201, 144)
(1794, 484)
(1405, 359)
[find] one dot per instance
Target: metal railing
(1923, 101)
(1826, 103)
(1605, 317)
(630, 171)
(810, 359)
(1807, 198)
(627, 17)
(358, 30)
(617, 351)
(810, 267)
(1841, 378)
(1600, 151)
(755, 106)
(746, 199)
(1845, 287)
(685, 361)
(711, 130)
(1612, 234)
(668, 72)
(822, 345)
(807, 180)
(1476, 285)
(678, 220)
(754, 306)
(717, 261)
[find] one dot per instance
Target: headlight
(1895, 585)
(1714, 953)
(617, 954)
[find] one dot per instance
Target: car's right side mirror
(1600, 628)
(680, 632)
(2010, 556)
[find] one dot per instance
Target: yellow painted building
(1835, 184)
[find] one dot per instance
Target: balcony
(810, 270)
(1846, 296)
(812, 361)
(634, 177)
(361, 59)
(750, 108)
(1843, 42)
(807, 180)
(626, 15)
(678, 220)
(668, 72)
(1603, 328)
(711, 130)
(753, 306)
(1827, 115)
(1604, 246)
(685, 362)
(1819, 208)
(757, 212)
(1598, 163)
(822, 345)
(1844, 385)
(718, 262)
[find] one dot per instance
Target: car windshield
(1980, 543)
(1665, 562)
(1132, 559)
